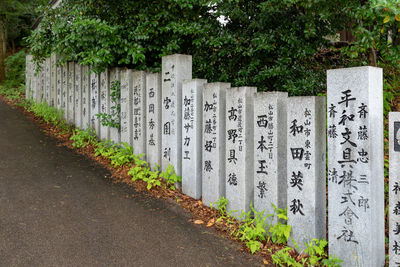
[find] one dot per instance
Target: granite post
(175, 69)
(78, 96)
(306, 161)
(71, 93)
(270, 176)
(239, 134)
(94, 102)
(85, 123)
(104, 103)
(53, 80)
(153, 119)
(192, 143)
(355, 166)
(115, 79)
(139, 112)
(213, 158)
(126, 106)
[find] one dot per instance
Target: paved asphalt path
(58, 208)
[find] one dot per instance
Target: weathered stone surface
(78, 96)
(71, 93)
(59, 84)
(115, 79)
(126, 106)
(64, 91)
(192, 121)
(28, 76)
(104, 103)
(53, 80)
(270, 177)
(394, 188)
(47, 80)
(213, 166)
(85, 97)
(95, 102)
(139, 113)
(175, 69)
(355, 166)
(306, 161)
(239, 149)
(40, 85)
(153, 119)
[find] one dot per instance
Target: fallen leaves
(198, 222)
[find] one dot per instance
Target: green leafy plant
(170, 177)
(113, 119)
(282, 258)
(279, 232)
(121, 154)
(83, 138)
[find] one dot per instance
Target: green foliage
(15, 69)
(122, 154)
(170, 177)
(258, 43)
(252, 229)
(142, 171)
(113, 119)
(279, 232)
(221, 204)
(282, 258)
(83, 138)
(12, 93)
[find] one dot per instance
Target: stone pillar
(239, 149)
(115, 80)
(71, 93)
(139, 112)
(394, 188)
(85, 97)
(104, 103)
(47, 81)
(59, 82)
(53, 81)
(153, 119)
(126, 106)
(64, 90)
(355, 167)
(306, 161)
(270, 176)
(94, 102)
(28, 76)
(40, 85)
(213, 158)
(78, 96)
(175, 69)
(192, 122)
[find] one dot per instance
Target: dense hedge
(274, 45)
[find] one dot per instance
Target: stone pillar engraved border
(53, 80)
(192, 121)
(59, 83)
(139, 113)
(306, 161)
(355, 166)
(78, 96)
(94, 102)
(126, 106)
(153, 119)
(239, 149)
(85, 97)
(270, 175)
(115, 78)
(28, 76)
(213, 130)
(175, 69)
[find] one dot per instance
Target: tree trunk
(2, 52)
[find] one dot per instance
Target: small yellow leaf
(198, 222)
(397, 17)
(265, 262)
(211, 222)
(386, 19)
